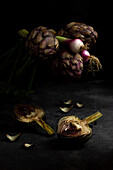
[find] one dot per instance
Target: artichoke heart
(73, 127)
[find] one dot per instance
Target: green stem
(32, 78)
(21, 79)
(13, 69)
(46, 127)
(23, 33)
(5, 63)
(19, 72)
(9, 54)
(93, 117)
(62, 39)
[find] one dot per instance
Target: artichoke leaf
(13, 138)
(28, 145)
(79, 105)
(68, 102)
(66, 109)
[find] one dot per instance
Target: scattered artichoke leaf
(28, 145)
(79, 104)
(13, 138)
(66, 109)
(68, 102)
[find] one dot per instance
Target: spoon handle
(46, 127)
(93, 117)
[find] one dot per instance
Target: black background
(49, 153)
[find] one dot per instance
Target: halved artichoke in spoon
(73, 127)
(27, 113)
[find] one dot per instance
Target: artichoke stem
(32, 78)
(7, 53)
(93, 117)
(23, 33)
(6, 62)
(18, 78)
(13, 71)
(62, 39)
(21, 70)
(45, 126)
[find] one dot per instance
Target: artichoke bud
(42, 43)
(71, 64)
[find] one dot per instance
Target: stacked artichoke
(42, 42)
(70, 64)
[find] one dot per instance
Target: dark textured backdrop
(49, 153)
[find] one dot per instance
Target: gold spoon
(27, 113)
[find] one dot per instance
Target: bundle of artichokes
(63, 52)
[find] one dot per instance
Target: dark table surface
(49, 152)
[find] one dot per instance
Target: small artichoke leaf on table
(68, 102)
(14, 137)
(28, 145)
(66, 109)
(79, 105)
